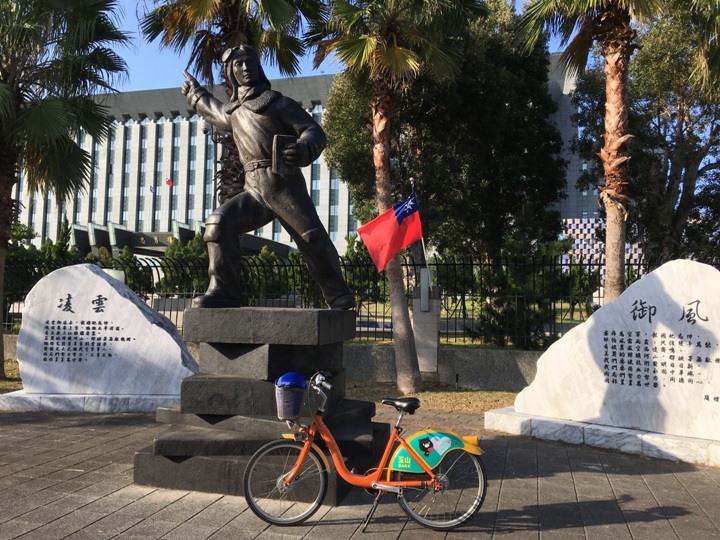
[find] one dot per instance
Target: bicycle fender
(314, 446)
(431, 445)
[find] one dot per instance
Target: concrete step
(212, 394)
(198, 441)
(346, 411)
(210, 474)
(355, 439)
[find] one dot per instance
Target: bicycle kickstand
(374, 506)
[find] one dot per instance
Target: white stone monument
(641, 375)
(89, 343)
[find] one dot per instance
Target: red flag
(169, 182)
(391, 231)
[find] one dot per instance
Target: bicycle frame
(406, 468)
(368, 481)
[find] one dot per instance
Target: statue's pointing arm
(204, 103)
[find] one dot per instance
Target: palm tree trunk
(406, 361)
(3, 256)
(616, 39)
(8, 165)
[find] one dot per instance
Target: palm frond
(62, 167)
(7, 107)
(356, 53)
(349, 15)
(396, 62)
(575, 55)
(444, 61)
(278, 13)
(282, 50)
(88, 114)
(553, 16)
(201, 10)
(41, 122)
(152, 25)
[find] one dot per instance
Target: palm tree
(53, 55)
(388, 43)
(609, 24)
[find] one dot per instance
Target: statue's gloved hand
(296, 154)
(190, 86)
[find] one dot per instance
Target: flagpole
(422, 240)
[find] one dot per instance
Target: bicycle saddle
(405, 404)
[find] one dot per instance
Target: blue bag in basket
(289, 392)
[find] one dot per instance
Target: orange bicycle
(437, 475)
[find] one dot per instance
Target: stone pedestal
(228, 410)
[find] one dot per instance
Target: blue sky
(151, 67)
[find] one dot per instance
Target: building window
(46, 217)
(109, 167)
(315, 182)
(317, 111)
(209, 175)
(31, 211)
(333, 223)
(125, 177)
(276, 230)
(192, 150)
(352, 222)
(157, 175)
(77, 214)
(174, 171)
(334, 205)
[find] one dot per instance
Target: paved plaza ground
(70, 476)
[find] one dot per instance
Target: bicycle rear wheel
(267, 494)
(463, 492)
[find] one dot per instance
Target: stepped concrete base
(359, 439)
(22, 401)
(224, 414)
(210, 474)
(346, 413)
(183, 441)
(632, 441)
(207, 393)
(278, 326)
(269, 361)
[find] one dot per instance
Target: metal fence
(524, 303)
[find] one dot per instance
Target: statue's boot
(224, 261)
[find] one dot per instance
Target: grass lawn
(12, 382)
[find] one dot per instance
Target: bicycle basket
(289, 393)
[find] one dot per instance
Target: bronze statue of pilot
(274, 137)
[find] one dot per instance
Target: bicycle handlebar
(320, 379)
(318, 382)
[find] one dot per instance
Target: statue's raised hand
(190, 85)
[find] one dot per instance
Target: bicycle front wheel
(464, 486)
(266, 490)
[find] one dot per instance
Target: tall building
(155, 174)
